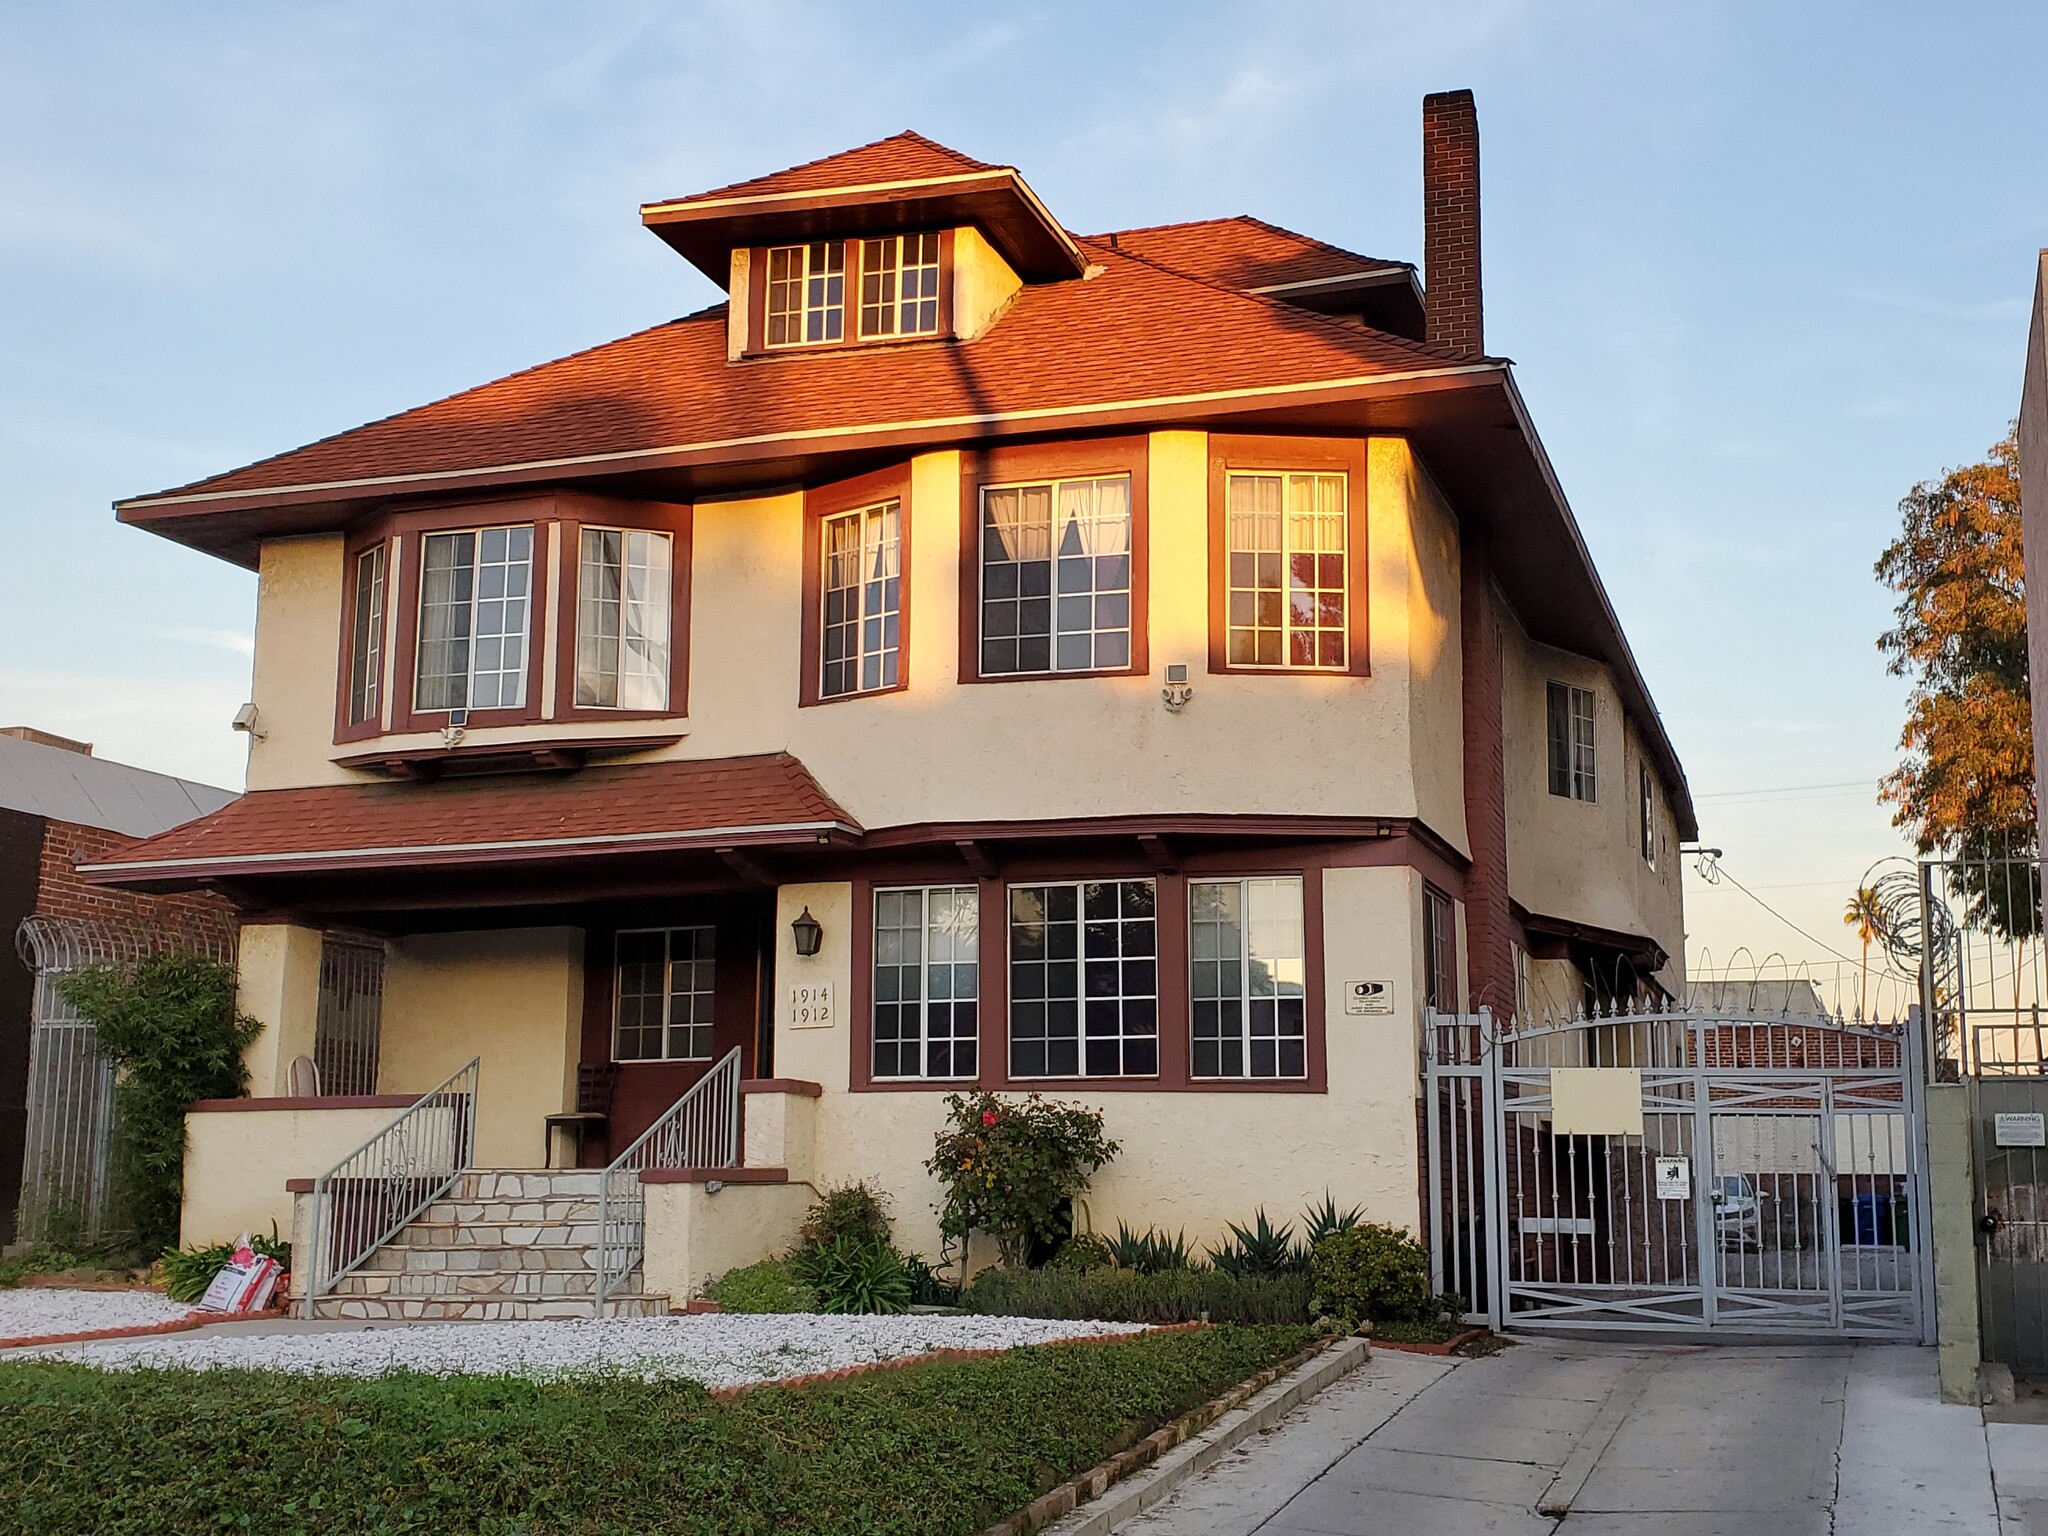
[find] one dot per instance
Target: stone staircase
(500, 1244)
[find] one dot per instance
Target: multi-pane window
(899, 285)
(1646, 798)
(1287, 544)
(860, 637)
(1084, 980)
(1439, 951)
(622, 619)
(927, 981)
(664, 994)
(475, 600)
(366, 646)
(806, 293)
(1248, 978)
(1571, 741)
(1056, 576)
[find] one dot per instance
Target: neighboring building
(2033, 438)
(1163, 662)
(60, 806)
(1798, 997)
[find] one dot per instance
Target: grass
(1126, 1296)
(107, 1264)
(1437, 1331)
(930, 1450)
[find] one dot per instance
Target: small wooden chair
(595, 1081)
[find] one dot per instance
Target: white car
(1738, 1211)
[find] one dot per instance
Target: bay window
(1056, 576)
(860, 637)
(622, 619)
(366, 637)
(1084, 984)
(664, 992)
(1287, 594)
(927, 982)
(474, 619)
(1248, 978)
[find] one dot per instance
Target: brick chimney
(1450, 220)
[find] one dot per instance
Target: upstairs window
(475, 618)
(1646, 799)
(366, 647)
(1572, 766)
(1056, 576)
(899, 285)
(623, 581)
(806, 293)
(860, 635)
(1287, 555)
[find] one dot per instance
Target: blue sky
(1761, 266)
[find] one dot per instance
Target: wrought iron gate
(1691, 1171)
(2012, 1221)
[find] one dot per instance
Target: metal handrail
(699, 1130)
(364, 1200)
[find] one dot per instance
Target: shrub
(1150, 1252)
(852, 1211)
(926, 1288)
(1261, 1249)
(1082, 1251)
(1372, 1273)
(188, 1272)
(1009, 1167)
(170, 1024)
(850, 1276)
(1125, 1296)
(769, 1286)
(1325, 1220)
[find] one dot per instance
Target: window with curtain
(623, 587)
(1287, 596)
(664, 994)
(860, 634)
(927, 981)
(475, 610)
(366, 639)
(899, 285)
(1056, 576)
(806, 293)
(1084, 979)
(1247, 950)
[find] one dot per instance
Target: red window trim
(849, 328)
(827, 501)
(353, 550)
(674, 519)
(1176, 1016)
(1076, 459)
(1268, 454)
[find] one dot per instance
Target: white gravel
(718, 1349)
(35, 1310)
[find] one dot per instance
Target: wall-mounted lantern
(808, 932)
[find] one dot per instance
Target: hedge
(936, 1450)
(1126, 1296)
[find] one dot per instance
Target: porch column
(278, 985)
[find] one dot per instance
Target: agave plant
(1325, 1220)
(1150, 1252)
(1261, 1249)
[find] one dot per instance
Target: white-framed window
(623, 584)
(1572, 756)
(366, 642)
(1439, 951)
(1084, 979)
(475, 604)
(927, 1016)
(1646, 800)
(806, 293)
(1056, 576)
(1287, 597)
(860, 635)
(899, 285)
(662, 1003)
(1248, 974)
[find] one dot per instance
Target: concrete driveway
(1583, 1439)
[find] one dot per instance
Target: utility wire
(1722, 870)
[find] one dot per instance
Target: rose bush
(1009, 1165)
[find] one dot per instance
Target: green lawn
(934, 1449)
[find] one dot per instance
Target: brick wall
(1490, 929)
(196, 917)
(1450, 220)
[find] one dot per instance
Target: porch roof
(631, 808)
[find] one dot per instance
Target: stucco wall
(237, 1161)
(1429, 588)
(983, 283)
(514, 999)
(299, 591)
(1191, 1160)
(694, 1236)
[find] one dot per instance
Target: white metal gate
(1689, 1171)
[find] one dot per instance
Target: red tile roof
(1135, 332)
(904, 156)
(628, 808)
(1243, 252)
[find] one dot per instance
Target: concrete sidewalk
(1556, 1436)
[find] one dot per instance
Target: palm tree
(1866, 915)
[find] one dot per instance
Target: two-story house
(1150, 668)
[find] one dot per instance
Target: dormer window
(806, 293)
(899, 285)
(823, 293)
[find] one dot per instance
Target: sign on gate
(1764, 1178)
(2021, 1130)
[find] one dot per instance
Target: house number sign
(811, 1007)
(1674, 1178)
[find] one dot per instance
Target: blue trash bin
(1867, 1215)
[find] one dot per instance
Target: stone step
(527, 1183)
(483, 1309)
(456, 1285)
(409, 1257)
(430, 1232)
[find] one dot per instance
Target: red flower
(988, 1117)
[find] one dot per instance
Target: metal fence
(1983, 970)
(348, 1025)
(699, 1130)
